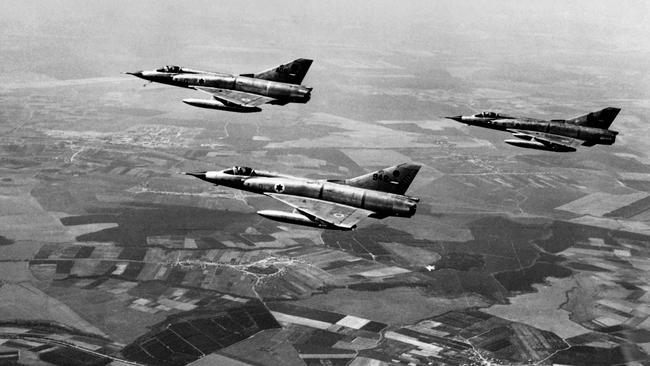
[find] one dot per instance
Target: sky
(88, 38)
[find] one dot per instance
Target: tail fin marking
(599, 119)
(395, 179)
(293, 72)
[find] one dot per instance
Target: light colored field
(598, 204)
(375, 157)
(384, 272)
(422, 226)
(15, 272)
(353, 322)
(20, 250)
(255, 350)
(24, 301)
(34, 226)
(359, 135)
(78, 230)
(402, 305)
(217, 359)
(413, 341)
(542, 308)
(623, 225)
(635, 176)
(364, 361)
(437, 125)
(414, 255)
(292, 319)
(23, 218)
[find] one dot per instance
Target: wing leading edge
(235, 98)
(333, 214)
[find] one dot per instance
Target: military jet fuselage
(327, 204)
(554, 135)
(238, 93)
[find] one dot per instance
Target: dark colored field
(45, 251)
(84, 252)
(496, 344)
(96, 283)
(262, 270)
(593, 356)
(640, 185)
(566, 234)
(133, 253)
(500, 236)
(5, 241)
(132, 270)
(336, 264)
(72, 357)
(634, 335)
(461, 319)
(365, 241)
(138, 221)
(630, 210)
(522, 280)
(374, 327)
(459, 261)
(585, 267)
(323, 338)
(209, 243)
(186, 336)
(176, 276)
(149, 289)
(64, 267)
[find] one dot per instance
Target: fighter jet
(328, 204)
(242, 93)
(555, 135)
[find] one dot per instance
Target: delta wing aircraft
(555, 135)
(329, 204)
(242, 93)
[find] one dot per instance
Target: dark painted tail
(600, 119)
(395, 179)
(293, 72)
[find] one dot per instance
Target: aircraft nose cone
(200, 175)
(135, 73)
(456, 118)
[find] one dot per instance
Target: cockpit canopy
(240, 170)
(170, 68)
(487, 115)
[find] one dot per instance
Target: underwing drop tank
(215, 104)
(293, 218)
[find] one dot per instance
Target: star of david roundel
(279, 187)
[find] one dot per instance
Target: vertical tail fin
(395, 179)
(293, 72)
(600, 119)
